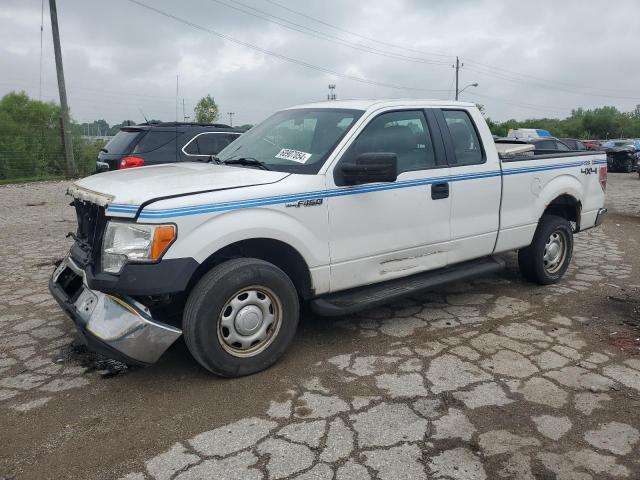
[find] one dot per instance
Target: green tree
(598, 123)
(206, 110)
(31, 143)
(31, 140)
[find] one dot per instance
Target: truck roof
(381, 103)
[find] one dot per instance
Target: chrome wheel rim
(249, 321)
(555, 252)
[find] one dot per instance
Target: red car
(592, 144)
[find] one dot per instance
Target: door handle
(439, 190)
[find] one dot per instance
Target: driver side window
(404, 133)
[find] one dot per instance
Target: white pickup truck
(344, 205)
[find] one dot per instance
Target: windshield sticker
(293, 155)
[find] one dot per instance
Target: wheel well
(567, 207)
(282, 255)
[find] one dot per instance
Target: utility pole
(231, 114)
(184, 113)
(65, 123)
(457, 66)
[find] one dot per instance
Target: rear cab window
(464, 136)
(545, 145)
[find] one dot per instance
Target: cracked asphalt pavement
(489, 379)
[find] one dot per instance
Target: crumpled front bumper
(117, 327)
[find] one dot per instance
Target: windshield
(297, 141)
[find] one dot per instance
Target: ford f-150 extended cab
(343, 205)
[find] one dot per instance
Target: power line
(530, 106)
(450, 89)
(278, 55)
(321, 35)
(96, 91)
(513, 79)
(466, 59)
(515, 74)
(355, 34)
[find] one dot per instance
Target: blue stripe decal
(336, 192)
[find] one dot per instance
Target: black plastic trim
(369, 296)
(167, 276)
(436, 137)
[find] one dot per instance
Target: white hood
(135, 186)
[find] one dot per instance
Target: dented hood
(136, 186)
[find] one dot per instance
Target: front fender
(304, 229)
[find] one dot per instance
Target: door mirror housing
(370, 168)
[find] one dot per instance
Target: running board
(361, 298)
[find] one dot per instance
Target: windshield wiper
(246, 161)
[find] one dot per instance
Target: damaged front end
(115, 325)
(120, 328)
(622, 159)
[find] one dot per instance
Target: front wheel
(547, 258)
(240, 317)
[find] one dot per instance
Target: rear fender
(561, 185)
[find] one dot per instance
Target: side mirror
(370, 168)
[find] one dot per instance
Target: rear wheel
(547, 258)
(241, 317)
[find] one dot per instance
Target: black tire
(628, 166)
(532, 261)
(204, 317)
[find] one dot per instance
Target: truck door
(476, 186)
(381, 231)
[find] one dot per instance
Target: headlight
(125, 242)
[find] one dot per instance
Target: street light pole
(470, 85)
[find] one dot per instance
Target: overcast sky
(531, 59)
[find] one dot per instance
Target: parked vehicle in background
(622, 155)
(528, 133)
(574, 144)
(344, 205)
(549, 145)
(170, 142)
(593, 145)
(539, 145)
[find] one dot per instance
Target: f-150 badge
(305, 203)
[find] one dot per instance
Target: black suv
(155, 143)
